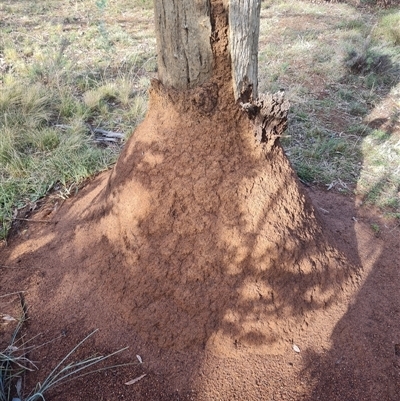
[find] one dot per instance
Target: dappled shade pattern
(208, 239)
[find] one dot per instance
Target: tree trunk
(244, 26)
(186, 33)
(183, 31)
(216, 238)
(212, 45)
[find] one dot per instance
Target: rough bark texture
(269, 116)
(186, 33)
(244, 25)
(183, 31)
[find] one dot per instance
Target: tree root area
(203, 253)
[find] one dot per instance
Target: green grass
(64, 66)
(389, 27)
(380, 181)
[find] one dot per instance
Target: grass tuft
(389, 28)
(15, 364)
(64, 372)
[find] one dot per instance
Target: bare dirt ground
(350, 351)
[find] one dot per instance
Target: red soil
(205, 256)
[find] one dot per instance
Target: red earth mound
(202, 252)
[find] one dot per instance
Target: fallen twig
(109, 134)
(135, 380)
(106, 140)
(12, 293)
(34, 221)
(97, 131)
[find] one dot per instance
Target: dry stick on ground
(109, 136)
(35, 221)
(12, 293)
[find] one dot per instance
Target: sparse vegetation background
(69, 68)
(341, 68)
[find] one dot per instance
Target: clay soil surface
(350, 353)
(227, 277)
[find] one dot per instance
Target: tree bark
(244, 26)
(183, 31)
(186, 31)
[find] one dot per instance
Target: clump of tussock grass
(13, 361)
(367, 60)
(389, 27)
(372, 61)
(66, 371)
(35, 154)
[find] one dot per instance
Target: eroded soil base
(205, 256)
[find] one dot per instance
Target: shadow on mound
(198, 241)
(211, 236)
